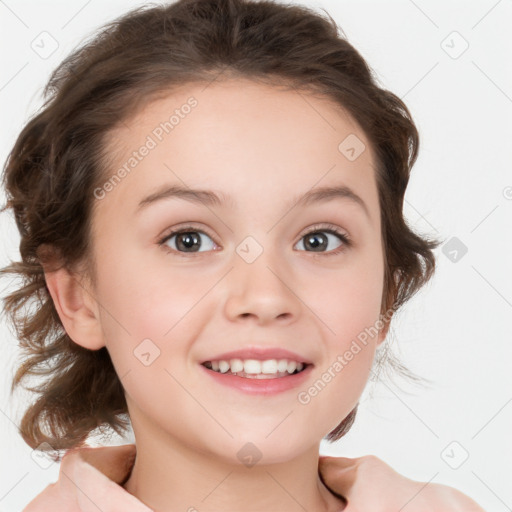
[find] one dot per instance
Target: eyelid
(345, 238)
(324, 226)
(169, 233)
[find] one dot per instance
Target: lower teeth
(259, 375)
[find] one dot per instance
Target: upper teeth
(269, 366)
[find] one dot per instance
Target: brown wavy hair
(59, 158)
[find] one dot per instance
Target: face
(256, 269)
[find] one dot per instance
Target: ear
(76, 306)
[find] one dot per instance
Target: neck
(169, 475)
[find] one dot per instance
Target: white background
(456, 332)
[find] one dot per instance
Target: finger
(96, 492)
(47, 500)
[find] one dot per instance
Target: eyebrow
(210, 198)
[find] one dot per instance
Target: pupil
(188, 240)
(313, 241)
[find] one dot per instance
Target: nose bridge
(259, 287)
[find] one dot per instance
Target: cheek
(151, 312)
(348, 301)
(348, 304)
(338, 387)
(143, 295)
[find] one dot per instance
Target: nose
(262, 292)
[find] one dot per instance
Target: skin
(366, 482)
(263, 147)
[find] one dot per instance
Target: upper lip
(259, 353)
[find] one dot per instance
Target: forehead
(244, 139)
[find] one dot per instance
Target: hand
(88, 479)
(366, 483)
(369, 484)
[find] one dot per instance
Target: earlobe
(76, 307)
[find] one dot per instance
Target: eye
(319, 237)
(188, 240)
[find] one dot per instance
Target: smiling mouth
(254, 369)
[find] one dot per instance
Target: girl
(210, 210)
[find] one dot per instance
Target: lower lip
(260, 386)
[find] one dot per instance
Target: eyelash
(317, 228)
